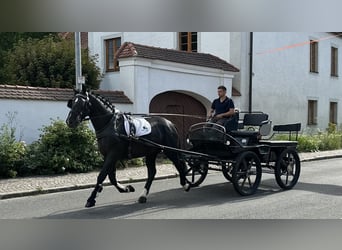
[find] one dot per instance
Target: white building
(104, 45)
(294, 75)
(166, 72)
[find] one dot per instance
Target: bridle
(84, 113)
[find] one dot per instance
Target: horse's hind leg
(180, 166)
(151, 172)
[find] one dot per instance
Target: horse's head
(79, 106)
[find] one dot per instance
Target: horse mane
(108, 105)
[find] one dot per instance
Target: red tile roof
(235, 92)
(114, 96)
(129, 49)
(54, 94)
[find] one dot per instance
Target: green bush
(48, 62)
(136, 162)
(61, 149)
(307, 143)
(332, 128)
(332, 139)
(8, 41)
(12, 152)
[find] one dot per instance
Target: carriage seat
(136, 126)
(252, 134)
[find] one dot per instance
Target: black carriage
(240, 155)
(243, 155)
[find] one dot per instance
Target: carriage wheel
(287, 169)
(226, 170)
(196, 173)
(246, 173)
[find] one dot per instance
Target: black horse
(115, 145)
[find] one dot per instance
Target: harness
(112, 128)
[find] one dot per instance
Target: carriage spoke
(249, 181)
(289, 163)
(287, 169)
(196, 173)
(243, 182)
(247, 173)
(244, 164)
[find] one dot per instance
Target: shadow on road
(208, 195)
(328, 189)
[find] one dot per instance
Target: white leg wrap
(121, 186)
(144, 193)
(186, 186)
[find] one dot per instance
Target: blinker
(69, 104)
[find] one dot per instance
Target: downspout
(250, 71)
(78, 62)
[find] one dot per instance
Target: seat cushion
(244, 133)
(254, 119)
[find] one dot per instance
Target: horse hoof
(130, 188)
(90, 203)
(142, 199)
(186, 187)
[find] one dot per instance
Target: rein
(169, 114)
(87, 118)
(152, 114)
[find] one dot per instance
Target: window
(313, 56)
(333, 113)
(312, 112)
(188, 41)
(112, 46)
(334, 61)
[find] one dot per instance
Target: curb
(319, 158)
(76, 187)
(125, 181)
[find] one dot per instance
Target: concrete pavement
(10, 188)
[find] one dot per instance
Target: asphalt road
(318, 194)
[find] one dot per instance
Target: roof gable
(129, 49)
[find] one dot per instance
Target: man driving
(222, 108)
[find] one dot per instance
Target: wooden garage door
(178, 103)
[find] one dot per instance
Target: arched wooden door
(179, 103)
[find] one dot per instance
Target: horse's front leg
(108, 161)
(98, 187)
